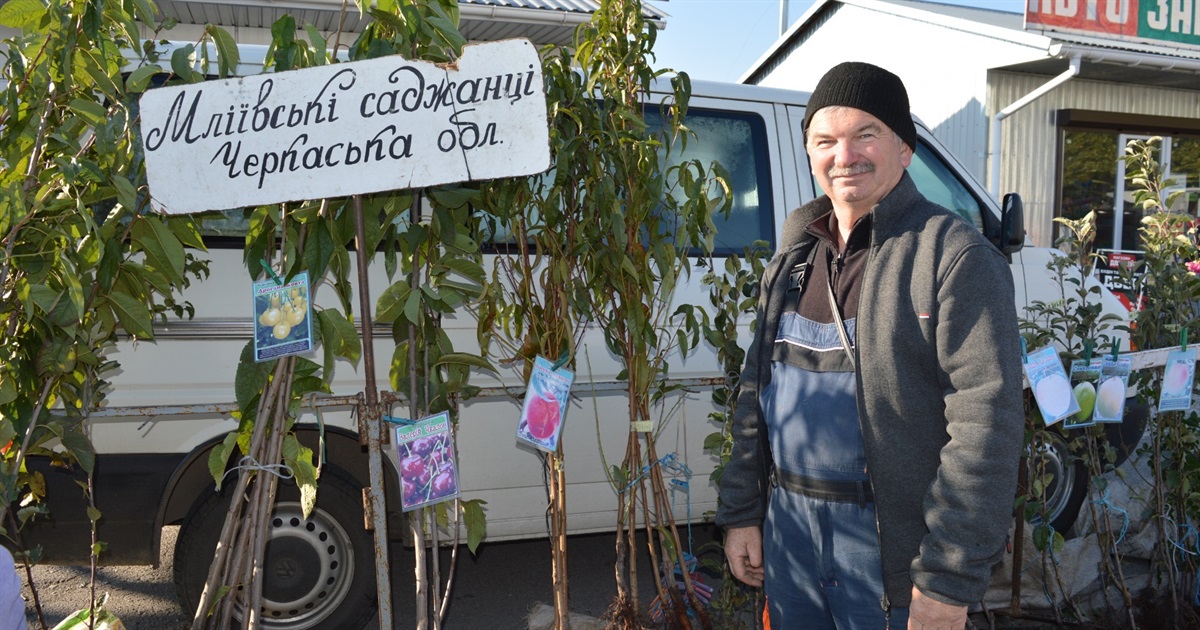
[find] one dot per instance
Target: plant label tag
(1179, 376)
(425, 452)
(545, 404)
(282, 318)
(1110, 394)
(1085, 375)
(1051, 388)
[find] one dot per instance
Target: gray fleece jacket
(939, 395)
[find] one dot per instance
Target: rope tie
(1109, 507)
(283, 471)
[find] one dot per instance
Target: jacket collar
(887, 221)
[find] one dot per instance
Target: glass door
(1128, 216)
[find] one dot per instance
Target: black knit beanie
(869, 88)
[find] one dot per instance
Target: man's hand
(929, 614)
(743, 550)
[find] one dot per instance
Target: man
(881, 398)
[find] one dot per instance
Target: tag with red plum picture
(545, 404)
(425, 453)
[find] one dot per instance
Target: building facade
(1034, 103)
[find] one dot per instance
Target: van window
(941, 185)
(738, 141)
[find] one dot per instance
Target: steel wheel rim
(329, 555)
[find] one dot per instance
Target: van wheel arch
(192, 479)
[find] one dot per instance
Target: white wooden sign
(344, 129)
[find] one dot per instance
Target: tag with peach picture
(1110, 395)
(1179, 377)
(545, 404)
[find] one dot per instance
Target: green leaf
(227, 50)
(464, 267)
(8, 393)
(412, 307)
(339, 339)
(91, 111)
(476, 522)
(319, 43)
(187, 231)
(92, 63)
(132, 314)
(93, 514)
(463, 358)
(126, 193)
(251, 376)
(318, 249)
(218, 458)
(181, 62)
(163, 250)
(145, 11)
(81, 449)
(139, 79)
(300, 459)
(55, 357)
(390, 305)
(45, 298)
(22, 14)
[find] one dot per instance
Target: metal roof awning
(1116, 61)
(541, 21)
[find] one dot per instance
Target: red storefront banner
(1173, 22)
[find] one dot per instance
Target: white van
(151, 466)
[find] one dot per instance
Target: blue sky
(718, 40)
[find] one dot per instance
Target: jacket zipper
(863, 284)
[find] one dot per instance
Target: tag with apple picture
(1051, 388)
(1085, 376)
(545, 404)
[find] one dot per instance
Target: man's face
(856, 158)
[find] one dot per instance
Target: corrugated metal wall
(1029, 138)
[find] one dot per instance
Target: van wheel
(320, 571)
(1068, 487)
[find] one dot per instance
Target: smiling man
(879, 415)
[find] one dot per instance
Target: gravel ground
(496, 590)
(142, 597)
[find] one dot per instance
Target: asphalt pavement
(496, 589)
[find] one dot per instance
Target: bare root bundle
(236, 575)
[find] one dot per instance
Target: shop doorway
(1094, 179)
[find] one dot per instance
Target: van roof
(740, 92)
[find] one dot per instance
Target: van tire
(329, 547)
(1067, 491)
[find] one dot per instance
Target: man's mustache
(858, 168)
